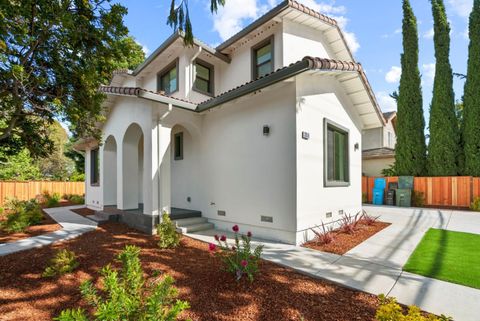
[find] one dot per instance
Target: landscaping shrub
(325, 235)
(63, 262)
(239, 259)
(418, 199)
(167, 233)
(126, 295)
(475, 204)
(364, 198)
(74, 198)
(21, 214)
(390, 310)
(348, 223)
(368, 219)
(51, 200)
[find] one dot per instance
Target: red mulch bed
(344, 242)
(46, 226)
(84, 211)
(278, 293)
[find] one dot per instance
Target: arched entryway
(110, 171)
(132, 169)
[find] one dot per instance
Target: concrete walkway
(375, 266)
(72, 224)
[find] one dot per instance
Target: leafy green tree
(410, 150)
(471, 98)
(53, 56)
(443, 148)
(19, 167)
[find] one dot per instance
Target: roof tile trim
(311, 12)
(135, 91)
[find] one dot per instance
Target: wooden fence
(30, 189)
(452, 191)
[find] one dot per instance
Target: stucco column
(149, 158)
(164, 192)
(120, 180)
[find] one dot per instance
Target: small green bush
(476, 204)
(127, 295)
(389, 172)
(63, 262)
(390, 310)
(364, 198)
(167, 233)
(239, 259)
(74, 198)
(418, 199)
(21, 214)
(51, 200)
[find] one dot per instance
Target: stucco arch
(132, 167)
(110, 171)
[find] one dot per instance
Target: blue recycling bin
(379, 191)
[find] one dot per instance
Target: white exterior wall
(319, 98)
(374, 167)
(300, 41)
(372, 138)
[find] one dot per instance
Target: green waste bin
(403, 197)
(405, 182)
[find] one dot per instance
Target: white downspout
(159, 121)
(192, 70)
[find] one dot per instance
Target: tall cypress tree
(443, 148)
(471, 98)
(410, 158)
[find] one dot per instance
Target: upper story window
(390, 139)
(167, 79)
(336, 155)
(262, 58)
(203, 77)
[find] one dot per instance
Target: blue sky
(373, 28)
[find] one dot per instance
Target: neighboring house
(263, 131)
(379, 146)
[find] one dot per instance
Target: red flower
(223, 238)
(216, 237)
(249, 234)
(212, 247)
(233, 248)
(235, 228)
(244, 263)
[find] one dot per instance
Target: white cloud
(233, 16)
(428, 72)
(386, 102)
(230, 19)
(461, 7)
(429, 34)
(393, 75)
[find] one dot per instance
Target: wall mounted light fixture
(356, 146)
(266, 130)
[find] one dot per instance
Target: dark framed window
(336, 159)
(167, 79)
(94, 167)
(262, 58)
(178, 146)
(204, 74)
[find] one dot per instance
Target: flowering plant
(239, 259)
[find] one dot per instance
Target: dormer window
(167, 79)
(203, 77)
(262, 58)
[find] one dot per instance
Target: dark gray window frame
(211, 81)
(180, 156)
(95, 167)
(165, 71)
(326, 125)
(270, 40)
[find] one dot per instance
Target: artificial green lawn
(449, 256)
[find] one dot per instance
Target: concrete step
(196, 228)
(97, 218)
(180, 213)
(101, 216)
(190, 221)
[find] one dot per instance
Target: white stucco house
(379, 146)
(263, 131)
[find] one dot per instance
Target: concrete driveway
(375, 266)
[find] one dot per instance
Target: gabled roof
(376, 153)
(306, 64)
(167, 43)
(282, 8)
(389, 115)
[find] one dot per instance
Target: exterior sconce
(266, 130)
(356, 146)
